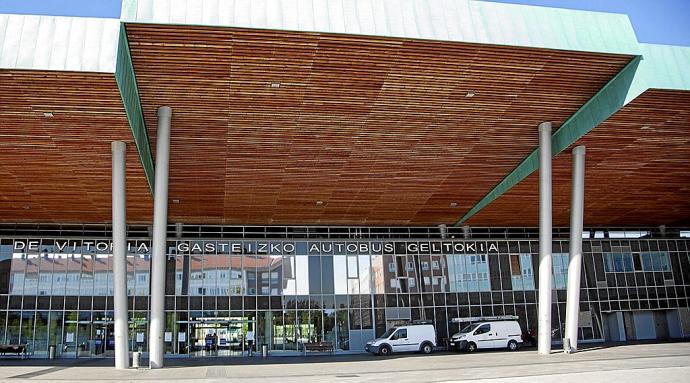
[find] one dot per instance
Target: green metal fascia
(469, 21)
(127, 83)
(607, 101)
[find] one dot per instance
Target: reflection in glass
(86, 277)
(27, 330)
(289, 283)
(17, 273)
(41, 332)
(560, 270)
(31, 275)
(302, 274)
(142, 271)
(379, 274)
(340, 274)
(314, 297)
(364, 274)
(522, 274)
(103, 275)
(196, 275)
(275, 270)
(179, 273)
(342, 330)
(73, 273)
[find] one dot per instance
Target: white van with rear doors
(404, 338)
(488, 334)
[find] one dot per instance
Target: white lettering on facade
(211, 247)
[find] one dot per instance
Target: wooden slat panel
(59, 169)
(636, 172)
(379, 129)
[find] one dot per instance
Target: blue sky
(655, 21)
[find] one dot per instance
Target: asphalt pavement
(663, 362)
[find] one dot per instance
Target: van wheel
(385, 350)
(512, 345)
(471, 347)
(426, 348)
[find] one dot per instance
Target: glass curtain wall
(227, 297)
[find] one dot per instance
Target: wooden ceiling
(59, 169)
(637, 171)
(380, 130)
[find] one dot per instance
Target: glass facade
(223, 293)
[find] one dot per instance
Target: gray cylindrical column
(545, 229)
(160, 222)
(575, 265)
(119, 255)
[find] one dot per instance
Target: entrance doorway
(104, 339)
(218, 336)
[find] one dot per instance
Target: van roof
(485, 319)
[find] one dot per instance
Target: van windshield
(389, 332)
(468, 328)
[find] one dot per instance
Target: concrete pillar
(120, 255)
(575, 264)
(158, 247)
(545, 230)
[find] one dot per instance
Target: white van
(411, 337)
(481, 335)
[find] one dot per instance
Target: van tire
(427, 348)
(512, 345)
(385, 350)
(471, 347)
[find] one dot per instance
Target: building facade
(292, 285)
(283, 172)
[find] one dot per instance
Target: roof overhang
(315, 112)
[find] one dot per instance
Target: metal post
(545, 229)
(575, 264)
(119, 254)
(158, 247)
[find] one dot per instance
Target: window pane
(314, 275)
(340, 274)
(352, 268)
(364, 274)
(327, 283)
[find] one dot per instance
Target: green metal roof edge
(467, 21)
(607, 101)
(664, 67)
(127, 83)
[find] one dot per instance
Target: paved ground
(669, 362)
